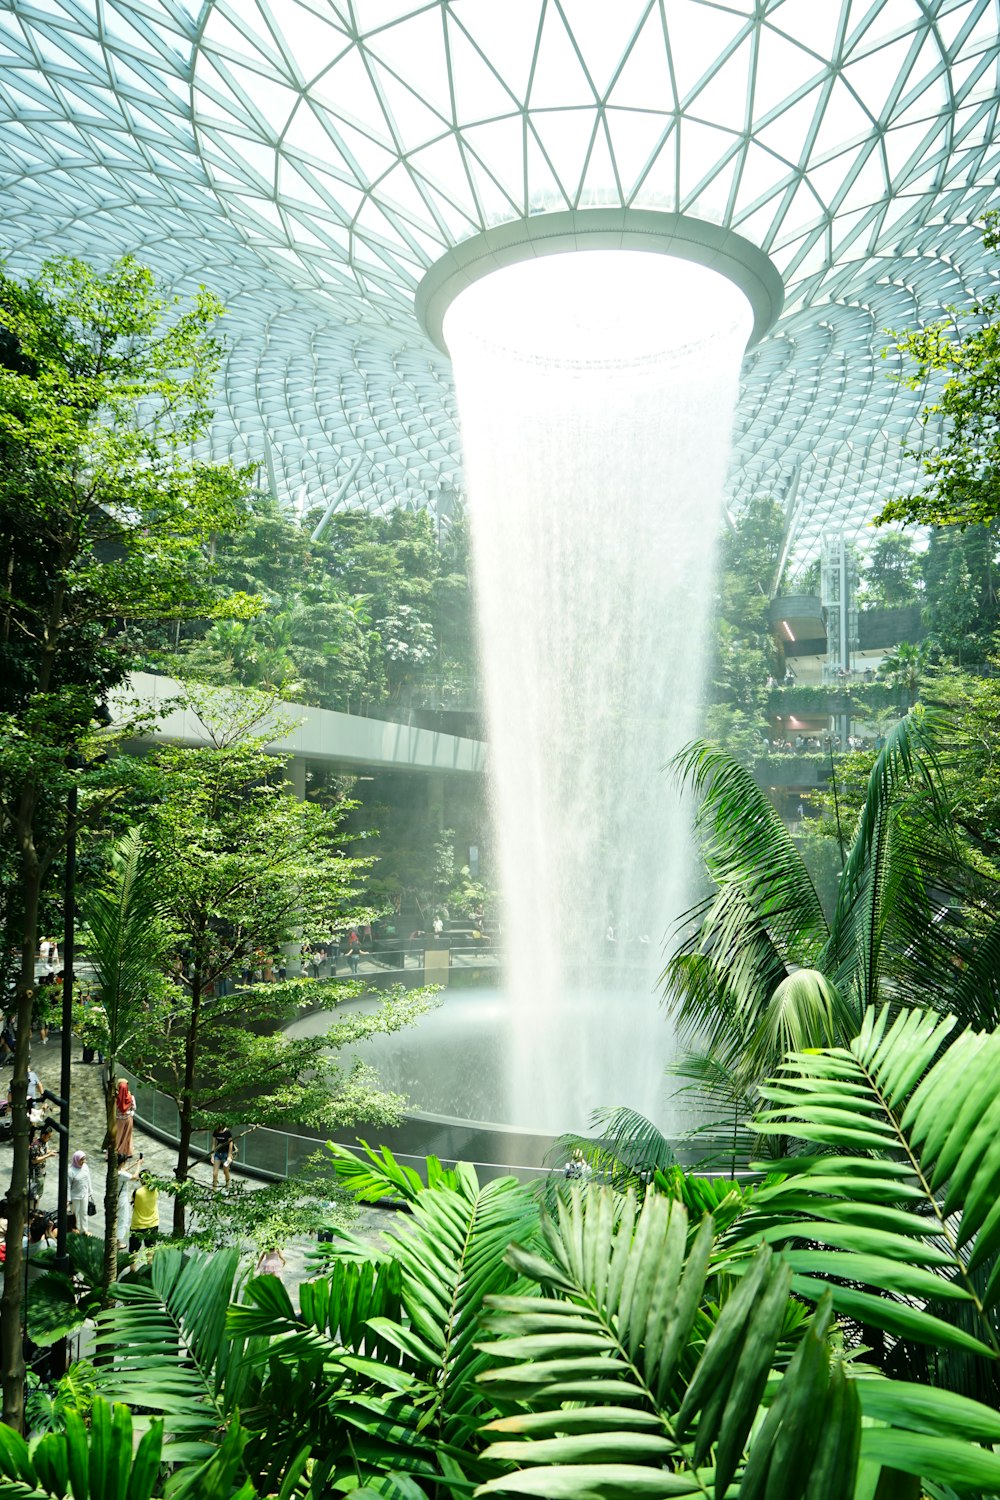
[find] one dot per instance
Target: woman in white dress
(80, 1190)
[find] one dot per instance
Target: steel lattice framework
(309, 159)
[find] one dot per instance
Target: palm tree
(906, 669)
(126, 941)
(762, 970)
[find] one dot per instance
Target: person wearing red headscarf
(124, 1111)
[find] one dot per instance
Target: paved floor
(87, 1134)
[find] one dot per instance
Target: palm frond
(378, 1176)
(903, 868)
(126, 934)
(747, 846)
(900, 1218)
(622, 1292)
(628, 1148)
(975, 997)
(163, 1347)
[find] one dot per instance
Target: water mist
(595, 394)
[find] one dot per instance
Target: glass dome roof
(310, 161)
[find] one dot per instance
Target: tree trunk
(110, 1272)
(185, 1130)
(11, 1345)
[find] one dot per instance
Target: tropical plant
(641, 1370)
(162, 1347)
(896, 1208)
(127, 938)
(102, 1463)
(760, 970)
(105, 516)
(905, 669)
(398, 1389)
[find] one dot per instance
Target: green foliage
(891, 574)
(375, 612)
(744, 655)
(897, 929)
(105, 391)
(894, 1209)
(399, 1385)
(162, 1347)
(962, 472)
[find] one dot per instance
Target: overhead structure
(311, 160)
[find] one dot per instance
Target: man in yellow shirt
(145, 1214)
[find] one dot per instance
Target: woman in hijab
(124, 1111)
(80, 1190)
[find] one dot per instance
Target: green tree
(241, 868)
(891, 574)
(962, 471)
(761, 969)
(105, 388)
(744, 655)
(905, 670)
(126, 942)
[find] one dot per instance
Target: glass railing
(275, 1154)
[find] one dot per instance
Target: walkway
(87, 1134)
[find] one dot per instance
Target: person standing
(38, 1154)
(145, 1214)
(271, 1262)
(124, 1114)
(223, 1151)
(123, 1216)
(80, 1190)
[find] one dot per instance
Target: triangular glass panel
(724, 98)
(308, 139)
(868, 187)
(506, 35)
(844, 123)
(479, 94)
(565, 136)
(557, 79)
(827, 181)
(599, 185)
(602, 34)
(635, 137)
(875, 77)
(905, 148)
(256, 160)
(313, 42)
(500, 146)
(264, 98)
(415, 122)
(398, 190)
(783, 67)
(414, 49)
(373, 158)
(802, 213)
(346, 91)
(295, 187)
(645, 81)
(658, 188)
(786, 136)
(699, 35)
(543, 192)
(763, 174)
(703, 152)
(494, 204)
(221, 36)
(712, 201)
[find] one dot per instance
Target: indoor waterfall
(596, 394)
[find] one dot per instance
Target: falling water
(596, 394)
